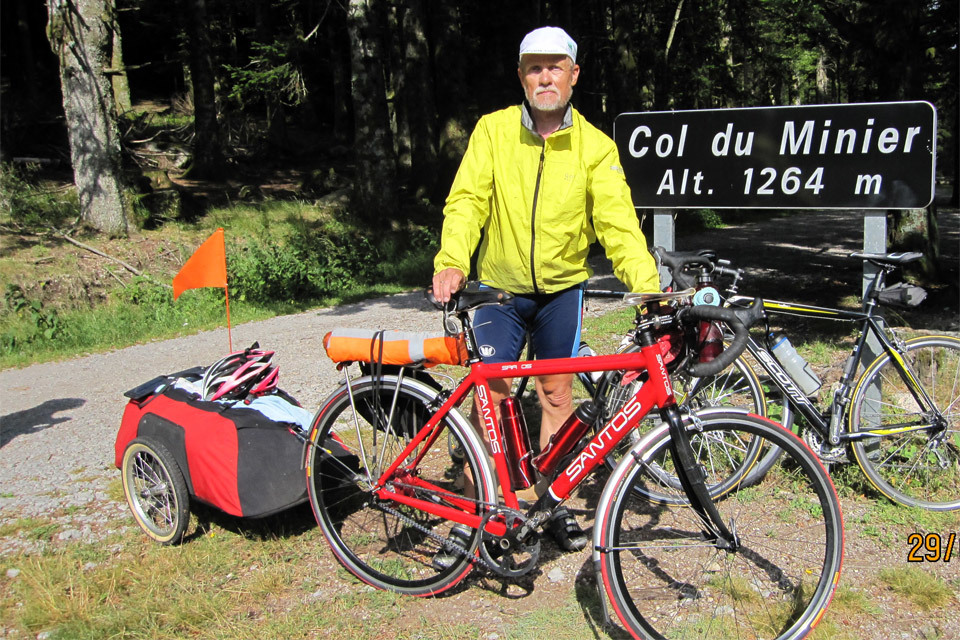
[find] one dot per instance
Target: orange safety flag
(394, 347)
(207, 267)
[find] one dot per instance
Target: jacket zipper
(533, 222)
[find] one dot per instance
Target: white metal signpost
(874, 156)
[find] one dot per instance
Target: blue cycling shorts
(552, 320)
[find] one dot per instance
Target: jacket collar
(527, 119)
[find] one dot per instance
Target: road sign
(839, 156)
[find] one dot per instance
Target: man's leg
(499, 389)
(556, 334)
(556, 402)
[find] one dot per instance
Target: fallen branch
(123, 264)
(118, 278)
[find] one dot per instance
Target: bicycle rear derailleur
(516, 552)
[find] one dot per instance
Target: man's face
(548, 80)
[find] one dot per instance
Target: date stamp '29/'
(930, 547)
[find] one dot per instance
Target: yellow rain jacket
(541, 204)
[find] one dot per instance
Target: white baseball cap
(549, 40)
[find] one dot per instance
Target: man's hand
(447, 282)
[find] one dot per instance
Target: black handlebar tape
(732, 352)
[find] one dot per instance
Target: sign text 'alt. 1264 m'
(847, 156)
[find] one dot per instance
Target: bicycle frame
(829, 425)
(658, 392)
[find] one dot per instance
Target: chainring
(827, 453)
(507, 555)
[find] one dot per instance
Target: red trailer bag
(234, 459)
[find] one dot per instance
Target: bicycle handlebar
(739, 320)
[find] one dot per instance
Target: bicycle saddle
(678, 261)
(470, 297)
(900, 257)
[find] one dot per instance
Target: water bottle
(709, 341)
(516, 441)
(566, 437)
(796, 366)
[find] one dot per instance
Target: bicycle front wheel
(912, 465)
(667, 579)
(357, 434)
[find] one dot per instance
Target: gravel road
(58, 421)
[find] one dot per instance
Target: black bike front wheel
(667, 577)
(735, 387)
(914, 456)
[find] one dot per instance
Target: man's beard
(541, 105)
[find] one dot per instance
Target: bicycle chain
(445, 543)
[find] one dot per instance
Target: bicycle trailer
(173, 446)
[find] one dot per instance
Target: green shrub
(311, 264)
(408, 256)
(40, 323)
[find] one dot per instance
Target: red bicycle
(681, 546)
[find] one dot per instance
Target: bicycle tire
(383, 543)
(914, 468)
(666, 580)
(736, 386)
(155, 490)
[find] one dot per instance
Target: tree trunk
(418, 97)
(207, 156)
(118, 73)
(340, 75)
(449, 64)
(916, 230)
(80, 36)
(375, 191)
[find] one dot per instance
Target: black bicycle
(899, 418)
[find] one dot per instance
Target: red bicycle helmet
(240, 374)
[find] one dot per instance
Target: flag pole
(229, 334)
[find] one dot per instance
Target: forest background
(324, 135)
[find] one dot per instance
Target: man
(541, 183)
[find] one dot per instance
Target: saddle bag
(902, 295)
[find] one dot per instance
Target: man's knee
(557, 392)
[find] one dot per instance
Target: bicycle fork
(692, 478)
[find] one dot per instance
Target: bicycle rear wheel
(666, 579)
(918, 468)
(381, 541)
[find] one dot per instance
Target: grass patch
(39, 529)
(923, 589)
(886, 521)
(851, 602)
(605, 332)
(282, 257)
(232, 579)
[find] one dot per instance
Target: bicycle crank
(516, 552)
